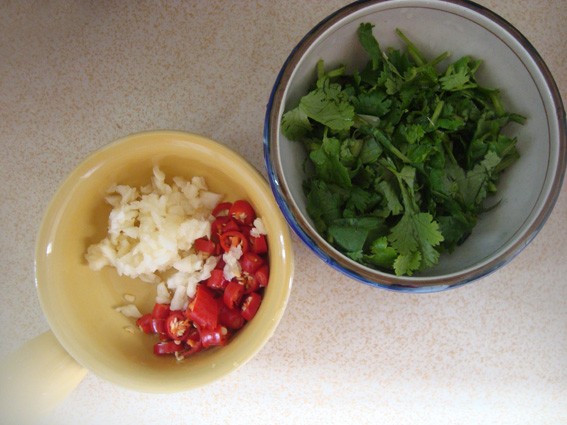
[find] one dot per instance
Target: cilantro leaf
(351, 234)
(413, 133)
(360, 200)
(393, 204)
(373, 102)
(460, 75)
(295, 124)
(328, 166)
(370, 151)
(473, 187)
(455, 229)
(416, 232)
(415, 237)
(323, 203)
(328, 105)
(406, 264)
(370, 44)
(381, 254)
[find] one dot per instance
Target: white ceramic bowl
(528, 190)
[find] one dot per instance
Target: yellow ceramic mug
(87, 333)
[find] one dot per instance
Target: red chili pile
(220, 307)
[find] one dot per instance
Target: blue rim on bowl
(548, 92)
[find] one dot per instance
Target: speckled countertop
(76, 75)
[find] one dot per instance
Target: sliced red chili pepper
(262, 275)
(177, 326)
(222, 224)
(158, 327)
(245, 230)
(250, 262)
(217, 227)
(191, 347)
(220, 264)
(233, 238)
(219, 307)
(166, 347)
(258, 244)
(230, 226)
(160, 311)
(233, 294)
(145, 323)
(249, 282)
(231, 317)
(205, 245)
(251, 305)
(193, 337)
(217, 280)
(222, 209)
(213, 337)
(204, 309)
(242, 212)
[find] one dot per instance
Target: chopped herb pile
(401, 156)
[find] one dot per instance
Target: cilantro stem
(337, 72)
(384, 141)
(517, 118)
(495, 98)
(506, 162)
(320, 69)
(447, 145)
(440, 58)
(437, 112)
(412, 50)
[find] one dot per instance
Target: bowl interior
(527, 190)
(79, 302)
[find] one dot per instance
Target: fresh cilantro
(381, 254)
(370, 44)
(370, 152)
(328, 166)
(352, 234)
(460, 75)
(360, 201)
(412, 132)
(416, 234)
(375, 103)
(323, 203)
(327, 105)
(474, 187)
(295, 124)
(393, 205)
(402, 154)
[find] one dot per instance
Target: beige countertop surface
(76, 75)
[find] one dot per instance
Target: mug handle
(36, 378)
